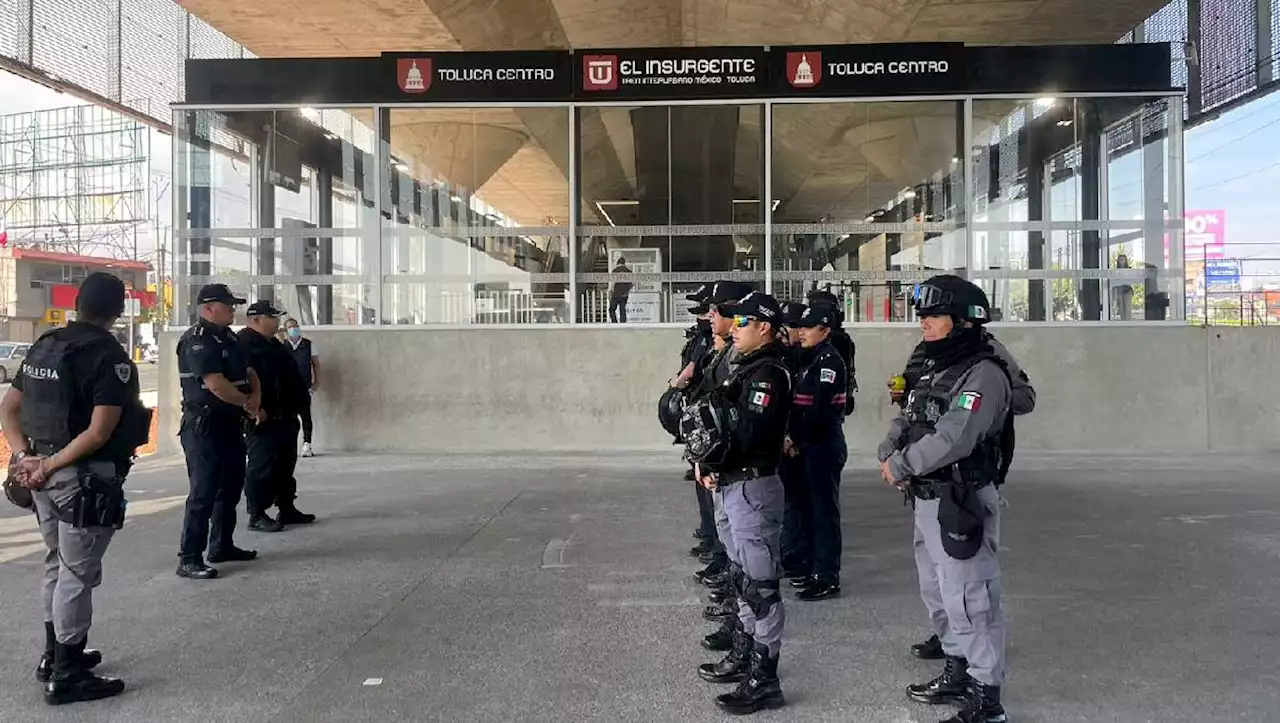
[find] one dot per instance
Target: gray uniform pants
(963, 596)
(73, 563)
(749, 522)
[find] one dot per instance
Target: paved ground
(504, 589)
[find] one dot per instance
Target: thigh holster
(759, 595)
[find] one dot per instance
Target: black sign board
(670, 73)
(522, 76)
(880, 69)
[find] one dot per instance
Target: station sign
(518, 76)
(873, 69)
(670, 73)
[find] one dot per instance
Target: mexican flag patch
(760, 399)
(970, 401)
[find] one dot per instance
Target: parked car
(151, 354)
(11, 355)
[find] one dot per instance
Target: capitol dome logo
(413, 74)
(804, 69)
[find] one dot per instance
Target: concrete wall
(1106, 388)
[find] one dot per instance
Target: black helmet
(953, 296)
(670, 408)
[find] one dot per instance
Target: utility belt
(98, 500)
(742, 474)
(933, 489)
(201, 418)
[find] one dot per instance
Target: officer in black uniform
(944, 452)
(272, 443)
(219, 391)
(698, 342)
(816, 437)
(756, 398)
(797, 532)
(841, 341)
(75, 418)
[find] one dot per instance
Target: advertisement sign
(670, 73)
(1222, 272)
(1206, 234)
(512, 76)
(873, 69)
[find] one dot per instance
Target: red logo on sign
(413, 74)
(599, 72)
(804, 69)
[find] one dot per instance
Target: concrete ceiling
(837, 161)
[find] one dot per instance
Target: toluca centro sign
(452, 77)
(870, 70)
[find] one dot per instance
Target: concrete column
(1091, 161)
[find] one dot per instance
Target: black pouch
(18, 495)
(100, 502)
(960, 517)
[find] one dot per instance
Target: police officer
(750, 503)
(272, 443)
(841, 341)
(75, 418)
(698, 342)
(797, 528)
(956, 412)
(816, 438)
(219, 391)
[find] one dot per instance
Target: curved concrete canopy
(836, 161)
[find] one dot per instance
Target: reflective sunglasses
(741, 321)
(928, 296)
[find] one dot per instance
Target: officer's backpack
(845, 348)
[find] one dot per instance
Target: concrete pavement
(496, 588)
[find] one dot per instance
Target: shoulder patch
(762, 385)
(124, 372)
(827, 376)
(196, 346)
(970, 401)
(758, 401)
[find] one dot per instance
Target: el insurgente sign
(666, 73)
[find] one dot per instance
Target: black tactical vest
(929, 399)
(49, 396)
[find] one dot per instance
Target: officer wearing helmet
(756, 401)
(944, 453)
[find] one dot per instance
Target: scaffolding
(75, 179)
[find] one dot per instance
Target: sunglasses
(741, 321)
(925, 296)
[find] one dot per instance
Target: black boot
(89, 659)
(950, 687)
(721, 610)
(196, 570)
(703, 547)
(290, 515)
(235, 554)
(930, 649)
(722, 638)
(262, 522)
(734, 666)
(982, 706)
(760, 690)
(70, 682)
(819, 590)
(720, 594)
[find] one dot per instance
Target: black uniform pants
(706, 512)
(215, 454)
(273, 458)
(618, 310)
(823, 464)
(797, 518)
(305, 414)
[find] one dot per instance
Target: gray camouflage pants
(749, 522)
(963, 597)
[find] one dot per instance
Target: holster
(99, 503)
(196, 419)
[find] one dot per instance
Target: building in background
(38, 290)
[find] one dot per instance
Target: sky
(1232, 165)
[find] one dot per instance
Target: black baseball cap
(756, 305)
(727, 292)
(218, 293)
(262, 307)
(701, 295)
(816, 316)
(792, 312)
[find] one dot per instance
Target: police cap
(727, 292)
(701, 295)
(101, 296)
(756, 305)
(218, 293)
(792, 311)
(262, 307)
(816, 316)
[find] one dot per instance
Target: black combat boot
(950, 687)
(819, 590)
(734, 666)
(262, 522)
(89, 659)
(235, 554)
(70, 682)
(930, 649)
(759, 690)
(722, 638)
(982, 706)
(721, 610)
(720, 593)
(290, 515)
(713, 575)
(704, 546)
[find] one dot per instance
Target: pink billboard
(1206, 235)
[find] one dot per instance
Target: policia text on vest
(75, 417)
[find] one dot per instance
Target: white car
(151, 354)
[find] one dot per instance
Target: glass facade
(1066, 209)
